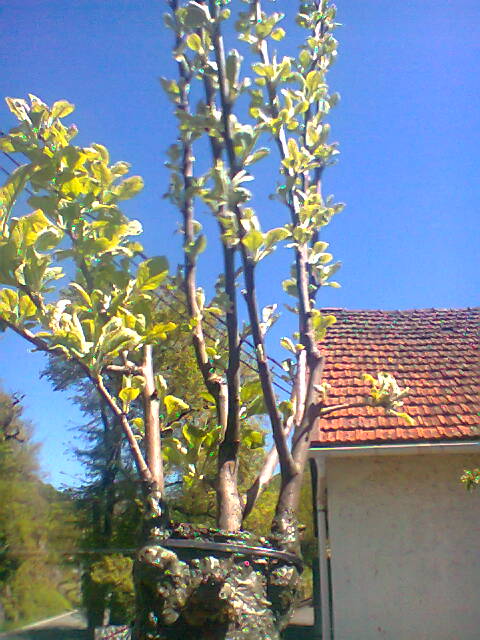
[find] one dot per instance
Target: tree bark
(184, 594)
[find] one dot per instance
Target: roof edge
(416, 448)
(410, 309)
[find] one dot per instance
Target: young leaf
(12, 189)
(151, 273)
(62, 109)
(128, 395)
(194, 42)
(128, 188)
(288, 345)
(253, 240)
(172, 404)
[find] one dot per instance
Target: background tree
(111, 326)
(36, 523)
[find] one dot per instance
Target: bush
(31, 598)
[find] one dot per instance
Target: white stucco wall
(405, 540)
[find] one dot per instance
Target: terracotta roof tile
(432, 351)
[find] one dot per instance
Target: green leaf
(263, 70)
(313, 80)
(48, 240)
(195, 15)
(232, 68)
(8, 303)
(253, 240)
(26, 307)
(276, 235)
(151, 273)
(12, 189)
(26, 230)
(194, 42)
(160, 383)
(286, 409)
(319, 247)
(288, 345)
(115, 337)
(103, 151)
(198, 246)
(19, 108)
(408, 419)
(128, 188)
(138, 424)
(62, 109)
(159, 331)
(172, 404)
(256, 156)
(85, 296)
(278, 34)
(6, 145)
(128, 395)
(253, 439)
(321, 323)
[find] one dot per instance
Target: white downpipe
(322, 548)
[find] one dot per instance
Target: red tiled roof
(435, 352)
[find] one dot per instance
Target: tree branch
(290, 489)
(271, 459)
(229, 504)
(211, 381)
(139, 460)
(325, 411)
(127, 369)
(286, 461)
(39, 343)
(151, 406)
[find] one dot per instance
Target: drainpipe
(321, 521)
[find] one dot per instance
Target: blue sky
(407, 124)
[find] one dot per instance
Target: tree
(109, 505)
(36, 522)
(111, 326)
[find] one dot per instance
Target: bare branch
(229, 504)
(151, 406)
(139, 460)
(211, 381)
(126, 370)
(271, 459)
(286, 461)
(325, 411)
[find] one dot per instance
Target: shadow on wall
(300, 633)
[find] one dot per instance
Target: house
(398, 534)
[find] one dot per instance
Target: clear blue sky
(408, 127)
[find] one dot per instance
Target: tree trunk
(210, 590)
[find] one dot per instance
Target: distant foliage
(36, 521)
